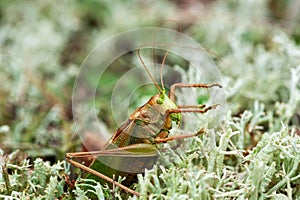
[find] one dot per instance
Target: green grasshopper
(134, 143)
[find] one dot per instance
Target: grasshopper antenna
(162, 69)
(167, 52)
(148, 72)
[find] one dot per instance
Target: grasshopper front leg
(185, 85)
(186, 109)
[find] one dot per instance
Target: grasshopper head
(167, 104)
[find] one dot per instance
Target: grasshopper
(134, 143)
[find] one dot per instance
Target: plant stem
(6, 178)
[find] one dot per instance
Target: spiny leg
(189, 106)
(100, 175)
(192, 109)
(134, 150)
(185, 85)
(162, 140)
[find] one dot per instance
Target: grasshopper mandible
(134, 141)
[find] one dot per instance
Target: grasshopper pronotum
(134, 141)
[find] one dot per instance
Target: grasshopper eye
(159, 101)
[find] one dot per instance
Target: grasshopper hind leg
(70, 158)
(139, 155)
